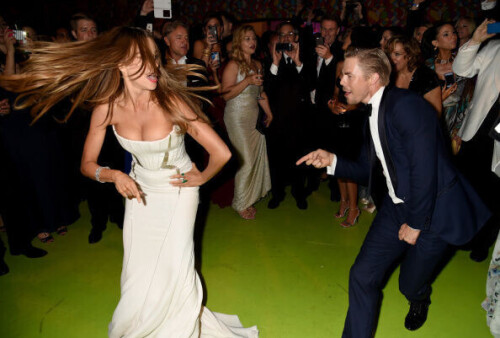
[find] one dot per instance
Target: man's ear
(374, 78)
(74, 34)
(167, 42)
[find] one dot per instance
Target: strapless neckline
(145, 141)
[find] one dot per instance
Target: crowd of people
(270, 100)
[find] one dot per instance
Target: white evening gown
(161, 293)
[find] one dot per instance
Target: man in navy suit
(428, 206)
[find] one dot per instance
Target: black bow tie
(368, 109)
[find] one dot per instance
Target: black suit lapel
(383, 139)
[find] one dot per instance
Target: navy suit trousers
(380, 250)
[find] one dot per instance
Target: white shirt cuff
(327, 61)
(273, 69)
(299, 68)
(330, 170)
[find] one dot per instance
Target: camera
(284, 47)
(212, 33)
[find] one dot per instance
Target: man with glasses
(289, 99)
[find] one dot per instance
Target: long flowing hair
(237, 52)
(88, 73)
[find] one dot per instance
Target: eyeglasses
(286, 34)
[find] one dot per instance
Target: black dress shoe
(4, 269)
(32, 252)
(479, 255)
(95, 236)
(417, 315)
(274, 203)
(302, 203)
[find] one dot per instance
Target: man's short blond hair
(372, 61)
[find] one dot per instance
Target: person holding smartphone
(439, 42)
(208, 49)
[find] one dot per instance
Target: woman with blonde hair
(119, 75)
(241, 86)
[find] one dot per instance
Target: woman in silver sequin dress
(241, 85)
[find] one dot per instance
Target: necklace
(443, 62)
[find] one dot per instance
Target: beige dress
(161, 293)
(252, 181)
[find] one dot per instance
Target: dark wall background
(46, 15)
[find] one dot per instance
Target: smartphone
(215, 56)
(163, 9)
(493, 28)
(320, 41)
(212, 33)
(450, 79)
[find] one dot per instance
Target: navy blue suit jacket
(436, 196)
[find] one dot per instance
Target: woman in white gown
(150, 110)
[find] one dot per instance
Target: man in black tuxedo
(176, 37)
(326, 52)
(429, 205)
(288, 94)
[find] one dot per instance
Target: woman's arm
(264, 103)
(218, 151)
(125, 185)
(231, 89)
(434, 98)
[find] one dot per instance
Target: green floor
(286, 272)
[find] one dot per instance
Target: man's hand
(276, 55)
(295, 54)
(323, 52)
(408, 234)
(319, 159)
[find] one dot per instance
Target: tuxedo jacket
(435, 196)
(289, 98)
(324, 82)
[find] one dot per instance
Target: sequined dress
(252, 180)
(161, 293)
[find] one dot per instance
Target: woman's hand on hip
(192, 178)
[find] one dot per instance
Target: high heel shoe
(347, 224)
(248, 213)
(339, 213)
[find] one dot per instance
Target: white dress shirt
(373, 122)
(181, 61)
(319, 63)
(274, 68)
